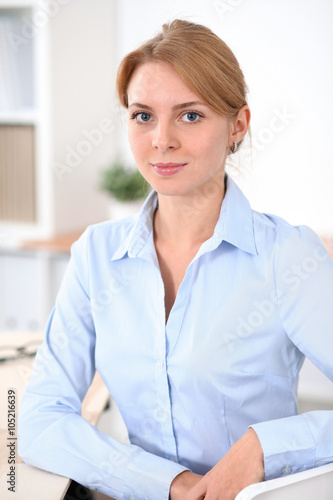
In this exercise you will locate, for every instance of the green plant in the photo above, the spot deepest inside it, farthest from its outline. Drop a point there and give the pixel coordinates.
(124, 183)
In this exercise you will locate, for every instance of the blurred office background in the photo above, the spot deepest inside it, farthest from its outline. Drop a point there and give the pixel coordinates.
(61, 125)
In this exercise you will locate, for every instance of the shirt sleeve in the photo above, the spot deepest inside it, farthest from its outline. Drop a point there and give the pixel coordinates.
(304, 287)
(52, 435)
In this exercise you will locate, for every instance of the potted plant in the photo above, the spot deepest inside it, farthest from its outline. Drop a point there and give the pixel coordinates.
(126, 187)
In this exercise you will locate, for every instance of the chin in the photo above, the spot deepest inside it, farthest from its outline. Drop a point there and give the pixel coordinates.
(169, 186)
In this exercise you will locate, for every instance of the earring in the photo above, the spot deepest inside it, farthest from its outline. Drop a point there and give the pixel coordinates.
(233, 148)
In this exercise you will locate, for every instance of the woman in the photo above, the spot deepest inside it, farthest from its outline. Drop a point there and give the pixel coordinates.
(197, 313)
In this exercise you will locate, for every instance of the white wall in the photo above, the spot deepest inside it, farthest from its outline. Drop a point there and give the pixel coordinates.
(82, 80)
(285, 50)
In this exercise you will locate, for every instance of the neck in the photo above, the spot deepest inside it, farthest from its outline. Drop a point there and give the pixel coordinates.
(185, 221)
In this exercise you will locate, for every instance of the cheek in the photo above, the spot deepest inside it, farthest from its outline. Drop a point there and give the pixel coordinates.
(130, 135)
(136, 142)
(210, 148)
(219, 149)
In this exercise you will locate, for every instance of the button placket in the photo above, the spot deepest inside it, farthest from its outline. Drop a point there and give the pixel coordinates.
(177, 313)
(162, 411)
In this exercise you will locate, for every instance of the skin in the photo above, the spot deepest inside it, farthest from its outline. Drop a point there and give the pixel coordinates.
(163, 127)
(241, 466)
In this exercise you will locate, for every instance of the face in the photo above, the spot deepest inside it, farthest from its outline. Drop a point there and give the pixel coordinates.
(179, 143)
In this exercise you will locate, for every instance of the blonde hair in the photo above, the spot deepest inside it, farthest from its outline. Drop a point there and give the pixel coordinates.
(200, 57)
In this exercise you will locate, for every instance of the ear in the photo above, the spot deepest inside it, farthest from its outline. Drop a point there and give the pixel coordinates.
(240, 124)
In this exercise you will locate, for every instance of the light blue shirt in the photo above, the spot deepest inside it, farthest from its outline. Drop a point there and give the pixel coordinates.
(256, 298)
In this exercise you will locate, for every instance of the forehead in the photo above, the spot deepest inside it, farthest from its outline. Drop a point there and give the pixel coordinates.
(158, 81)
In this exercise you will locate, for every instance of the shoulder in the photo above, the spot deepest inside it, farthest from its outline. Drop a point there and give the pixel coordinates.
(289, 245)
(108, 236)
(273, 230)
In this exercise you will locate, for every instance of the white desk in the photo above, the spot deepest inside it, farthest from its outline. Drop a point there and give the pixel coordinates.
(33, 483)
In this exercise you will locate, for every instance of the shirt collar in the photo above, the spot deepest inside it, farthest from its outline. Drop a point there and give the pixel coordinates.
(142, 228)
(235, 225)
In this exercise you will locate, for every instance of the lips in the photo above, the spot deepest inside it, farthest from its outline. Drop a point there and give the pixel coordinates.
(168, 168)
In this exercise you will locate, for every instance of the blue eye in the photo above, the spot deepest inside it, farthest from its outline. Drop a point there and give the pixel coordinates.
(141, 117)
(191, 117)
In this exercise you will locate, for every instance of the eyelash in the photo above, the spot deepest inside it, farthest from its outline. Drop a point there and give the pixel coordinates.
(136, 113)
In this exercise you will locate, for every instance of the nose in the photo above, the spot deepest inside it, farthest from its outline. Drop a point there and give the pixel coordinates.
(165, 137)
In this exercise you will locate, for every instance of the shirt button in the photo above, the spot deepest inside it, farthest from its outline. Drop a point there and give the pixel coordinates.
(160, 364)
(173, 459)
(165, 414)
(132, 497)
(286, 470)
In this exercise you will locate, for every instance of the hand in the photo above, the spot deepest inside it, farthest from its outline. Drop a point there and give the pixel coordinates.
(241, 466)
(182, 484)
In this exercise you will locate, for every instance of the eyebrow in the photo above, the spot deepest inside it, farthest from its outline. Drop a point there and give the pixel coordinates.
(174, 108)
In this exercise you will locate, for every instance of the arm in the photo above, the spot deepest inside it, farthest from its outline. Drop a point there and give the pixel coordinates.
(304, 281)
(52, 433)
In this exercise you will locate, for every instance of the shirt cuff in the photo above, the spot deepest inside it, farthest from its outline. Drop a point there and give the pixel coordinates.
(150, 476)
(287, 444)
